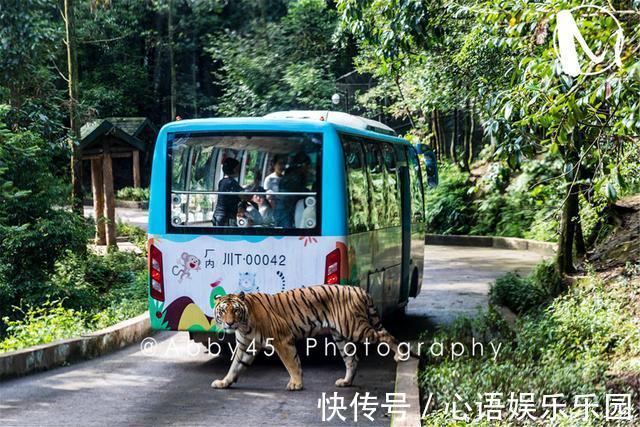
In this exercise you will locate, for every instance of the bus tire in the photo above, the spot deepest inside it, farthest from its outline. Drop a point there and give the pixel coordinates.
(413, 288)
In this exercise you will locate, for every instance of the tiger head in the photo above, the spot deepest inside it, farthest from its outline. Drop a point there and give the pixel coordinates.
(231, 311)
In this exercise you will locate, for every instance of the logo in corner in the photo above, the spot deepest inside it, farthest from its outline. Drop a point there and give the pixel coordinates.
(567, 33)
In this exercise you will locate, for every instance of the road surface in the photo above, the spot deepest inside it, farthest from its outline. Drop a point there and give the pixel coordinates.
(171, 385)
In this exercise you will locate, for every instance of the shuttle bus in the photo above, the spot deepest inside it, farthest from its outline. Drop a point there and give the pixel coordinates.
(288, 200)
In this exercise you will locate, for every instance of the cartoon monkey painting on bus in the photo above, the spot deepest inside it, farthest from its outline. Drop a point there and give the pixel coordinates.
(186, 264)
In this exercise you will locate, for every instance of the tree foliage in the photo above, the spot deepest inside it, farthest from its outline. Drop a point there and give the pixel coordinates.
(498, 59)
(288, 64)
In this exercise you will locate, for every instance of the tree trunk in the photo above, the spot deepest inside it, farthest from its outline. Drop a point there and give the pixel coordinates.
(434, 135)
(135, 163)
(567, 233)
(172, 66)
(97, 188)
(74, 122)
(581, 249)
(194, 73)
(441, 138)
(454, 138)
(571, 210)
(465, 140)
(472, 127)
(157, 66)
(109, 199)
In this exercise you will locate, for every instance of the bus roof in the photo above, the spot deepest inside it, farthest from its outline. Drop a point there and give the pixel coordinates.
(278, 122)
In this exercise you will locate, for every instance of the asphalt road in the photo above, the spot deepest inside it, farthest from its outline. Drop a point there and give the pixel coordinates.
(171, 384)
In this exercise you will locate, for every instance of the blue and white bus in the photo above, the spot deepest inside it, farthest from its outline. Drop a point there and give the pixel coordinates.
(272, 203)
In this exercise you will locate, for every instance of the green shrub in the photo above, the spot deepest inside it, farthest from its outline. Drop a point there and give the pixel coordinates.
(41, 324)
(448, 206)
(117, 312)
(522, 205)
(133, 193)
(89, 282)
(522, 294)
(89, 292)
(135, 235)
(499, 203)
(568, 347)
(35, 230)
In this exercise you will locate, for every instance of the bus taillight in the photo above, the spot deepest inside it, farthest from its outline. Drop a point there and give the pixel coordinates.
(332, 267)
(156, 282)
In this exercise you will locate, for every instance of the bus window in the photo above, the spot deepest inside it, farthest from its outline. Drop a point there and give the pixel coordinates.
(392, 190)
(417, 192)
(217, 182)
(375, 168)
(178, 173)
(356, 184)
(252, 171)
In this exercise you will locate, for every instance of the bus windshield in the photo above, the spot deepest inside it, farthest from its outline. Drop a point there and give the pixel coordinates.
(230, 182)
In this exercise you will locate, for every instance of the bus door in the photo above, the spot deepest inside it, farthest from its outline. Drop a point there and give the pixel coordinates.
(405, 214)
(359, 238)
(388, 256)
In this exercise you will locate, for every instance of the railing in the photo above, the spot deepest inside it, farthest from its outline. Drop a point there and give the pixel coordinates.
(247, 193)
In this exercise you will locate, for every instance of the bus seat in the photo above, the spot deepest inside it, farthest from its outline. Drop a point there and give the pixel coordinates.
(297, 217)
(309, 217)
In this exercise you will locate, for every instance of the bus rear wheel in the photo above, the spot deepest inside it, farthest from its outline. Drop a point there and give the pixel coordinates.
(413, 288)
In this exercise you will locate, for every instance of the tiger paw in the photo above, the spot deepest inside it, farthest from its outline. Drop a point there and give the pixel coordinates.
(294, 385)
(220, 384)
(342, 382)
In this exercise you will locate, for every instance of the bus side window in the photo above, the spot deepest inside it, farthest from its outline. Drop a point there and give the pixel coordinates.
(375, 169)
(356, 184)
(179, 160)
(417, 192)
(392, 191)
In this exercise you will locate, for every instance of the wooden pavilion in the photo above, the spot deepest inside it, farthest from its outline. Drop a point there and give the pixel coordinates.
(102, 141)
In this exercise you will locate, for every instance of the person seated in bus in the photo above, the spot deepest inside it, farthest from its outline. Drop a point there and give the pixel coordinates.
(263, 206)
(227, 206)
(248, 212)
(294, 180)
(272, 181)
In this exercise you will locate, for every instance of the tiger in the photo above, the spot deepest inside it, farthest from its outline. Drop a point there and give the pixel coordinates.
(346, 311)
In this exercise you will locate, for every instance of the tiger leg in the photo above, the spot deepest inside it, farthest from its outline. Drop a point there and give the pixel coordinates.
(350, 362)
(365, 333)
(241, 360)
(286, 349)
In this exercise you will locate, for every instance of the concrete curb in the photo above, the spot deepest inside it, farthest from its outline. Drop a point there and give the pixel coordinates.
(542, 248)
(407, 383)
(48, 356)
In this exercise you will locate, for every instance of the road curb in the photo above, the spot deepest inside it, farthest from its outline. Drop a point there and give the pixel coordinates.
(47, 356)
(407, 383)
(542, 248)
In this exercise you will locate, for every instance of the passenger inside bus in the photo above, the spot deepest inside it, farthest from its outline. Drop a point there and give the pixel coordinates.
(227, 206)
(263, 205)
(272, 181)
(294, 180)
(255, 211)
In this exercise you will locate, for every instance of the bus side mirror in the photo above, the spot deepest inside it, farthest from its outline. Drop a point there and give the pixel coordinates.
(431, 167)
